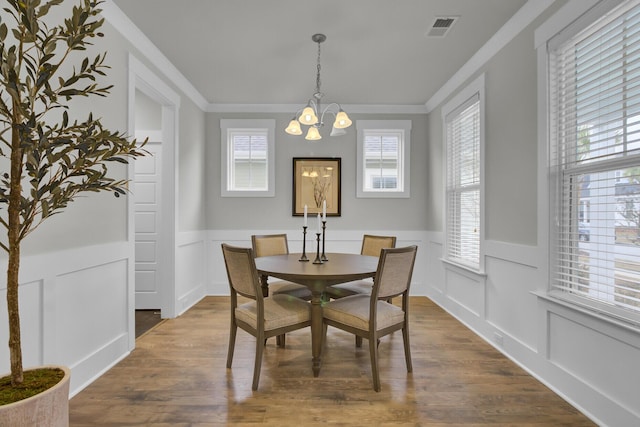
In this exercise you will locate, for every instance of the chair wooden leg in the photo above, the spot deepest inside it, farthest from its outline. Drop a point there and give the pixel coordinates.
(358, 341)
(258, 363)
(280, 340)
(232, 343)
(407, 347)
(373, 349)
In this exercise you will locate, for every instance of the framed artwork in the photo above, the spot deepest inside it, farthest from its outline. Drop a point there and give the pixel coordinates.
(316, 179)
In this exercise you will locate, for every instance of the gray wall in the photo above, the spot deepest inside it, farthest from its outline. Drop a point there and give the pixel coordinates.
(192, 184)
(435, 179)
(93, 218)
(510, 146)
(511, 168)
(101, 218)
(273, 213)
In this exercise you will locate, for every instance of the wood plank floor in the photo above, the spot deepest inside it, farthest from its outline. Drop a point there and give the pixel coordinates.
(146, 320)
(177, 376)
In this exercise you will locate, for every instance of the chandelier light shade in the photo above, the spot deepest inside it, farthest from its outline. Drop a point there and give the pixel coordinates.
(313, 115)
(342, 120)
(337, 132)
(308, 116)
(294, 128)
(313, 134)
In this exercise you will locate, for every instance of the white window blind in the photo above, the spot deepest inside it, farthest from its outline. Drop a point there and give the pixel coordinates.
(248, 167)
(383, 160)
(463, 184)
(595, 159)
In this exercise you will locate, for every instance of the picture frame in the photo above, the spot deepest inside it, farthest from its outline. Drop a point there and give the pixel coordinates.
(316, 179)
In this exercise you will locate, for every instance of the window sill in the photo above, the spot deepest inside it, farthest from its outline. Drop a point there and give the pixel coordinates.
(464, 269)
(591, 309)
(383, 194)
(227, 193)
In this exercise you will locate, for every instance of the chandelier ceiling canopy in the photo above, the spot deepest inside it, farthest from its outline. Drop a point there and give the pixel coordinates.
(313, 115)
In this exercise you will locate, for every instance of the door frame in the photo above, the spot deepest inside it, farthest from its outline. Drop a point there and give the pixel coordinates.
(143, 79)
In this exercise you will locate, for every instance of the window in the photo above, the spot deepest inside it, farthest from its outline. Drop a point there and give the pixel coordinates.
(463, 136)
(385, 181)
(594, 96)
(383, 158)
(247, 158)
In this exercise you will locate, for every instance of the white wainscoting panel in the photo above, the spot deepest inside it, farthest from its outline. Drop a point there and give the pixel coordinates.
(509, 296)
(580, 351)
(191, 269)
(103, 291)
(435, 278)
(586, 359)
(75, 310)
(465, 290)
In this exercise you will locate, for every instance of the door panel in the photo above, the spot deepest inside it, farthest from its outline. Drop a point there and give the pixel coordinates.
(147, 220)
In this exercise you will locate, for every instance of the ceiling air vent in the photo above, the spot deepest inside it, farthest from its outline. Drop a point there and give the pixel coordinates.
(441, 26)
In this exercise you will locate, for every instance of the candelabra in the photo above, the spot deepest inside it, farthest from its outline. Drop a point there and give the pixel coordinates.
(324, 226)
(318, 260)
(304, 244)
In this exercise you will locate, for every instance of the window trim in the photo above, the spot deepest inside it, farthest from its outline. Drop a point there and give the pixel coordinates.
(227, 125)
(362, 126)
(474, 89)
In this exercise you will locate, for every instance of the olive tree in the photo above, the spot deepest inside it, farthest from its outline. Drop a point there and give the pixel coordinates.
(46, 157)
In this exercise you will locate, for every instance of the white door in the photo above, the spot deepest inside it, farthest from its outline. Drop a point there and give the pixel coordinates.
(147, 227)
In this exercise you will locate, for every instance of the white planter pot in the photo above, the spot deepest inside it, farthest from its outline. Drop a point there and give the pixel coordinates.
(47, 409)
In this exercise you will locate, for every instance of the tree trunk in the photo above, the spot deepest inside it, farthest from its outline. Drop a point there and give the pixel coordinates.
(15, 348)
(13, 235)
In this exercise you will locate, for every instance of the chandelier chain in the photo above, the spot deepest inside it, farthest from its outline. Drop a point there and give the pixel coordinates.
(318, 75)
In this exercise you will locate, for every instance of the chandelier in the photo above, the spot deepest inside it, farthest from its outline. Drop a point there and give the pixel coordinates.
(313, 114)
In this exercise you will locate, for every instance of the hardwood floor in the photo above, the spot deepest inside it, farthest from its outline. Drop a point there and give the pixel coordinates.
(177, 376)
(145, 320)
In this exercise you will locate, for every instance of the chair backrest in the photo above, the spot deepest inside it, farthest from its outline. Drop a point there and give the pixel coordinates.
(269, 244)
(372, 245)
(241, 271)
(395, 268)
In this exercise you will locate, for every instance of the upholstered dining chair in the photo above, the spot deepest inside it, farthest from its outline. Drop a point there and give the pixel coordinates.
(371, 245)
(262, 317)
(371, 316)
(277, 244)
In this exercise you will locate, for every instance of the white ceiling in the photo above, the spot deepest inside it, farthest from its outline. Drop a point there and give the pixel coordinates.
(260, 52)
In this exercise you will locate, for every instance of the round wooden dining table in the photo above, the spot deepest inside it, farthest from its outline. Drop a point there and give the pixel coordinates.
(340, 268)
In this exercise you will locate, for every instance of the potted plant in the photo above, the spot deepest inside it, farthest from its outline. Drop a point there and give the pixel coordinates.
(46, 157)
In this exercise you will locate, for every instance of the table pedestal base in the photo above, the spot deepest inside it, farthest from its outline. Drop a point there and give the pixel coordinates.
(316, 326)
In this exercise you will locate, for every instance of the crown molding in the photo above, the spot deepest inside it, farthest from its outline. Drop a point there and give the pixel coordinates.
(518, 22)
(121, 22)
(293, 108)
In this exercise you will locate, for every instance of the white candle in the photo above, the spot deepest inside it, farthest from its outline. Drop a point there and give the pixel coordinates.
(318, 223)
(324, 210)
(305, 215)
